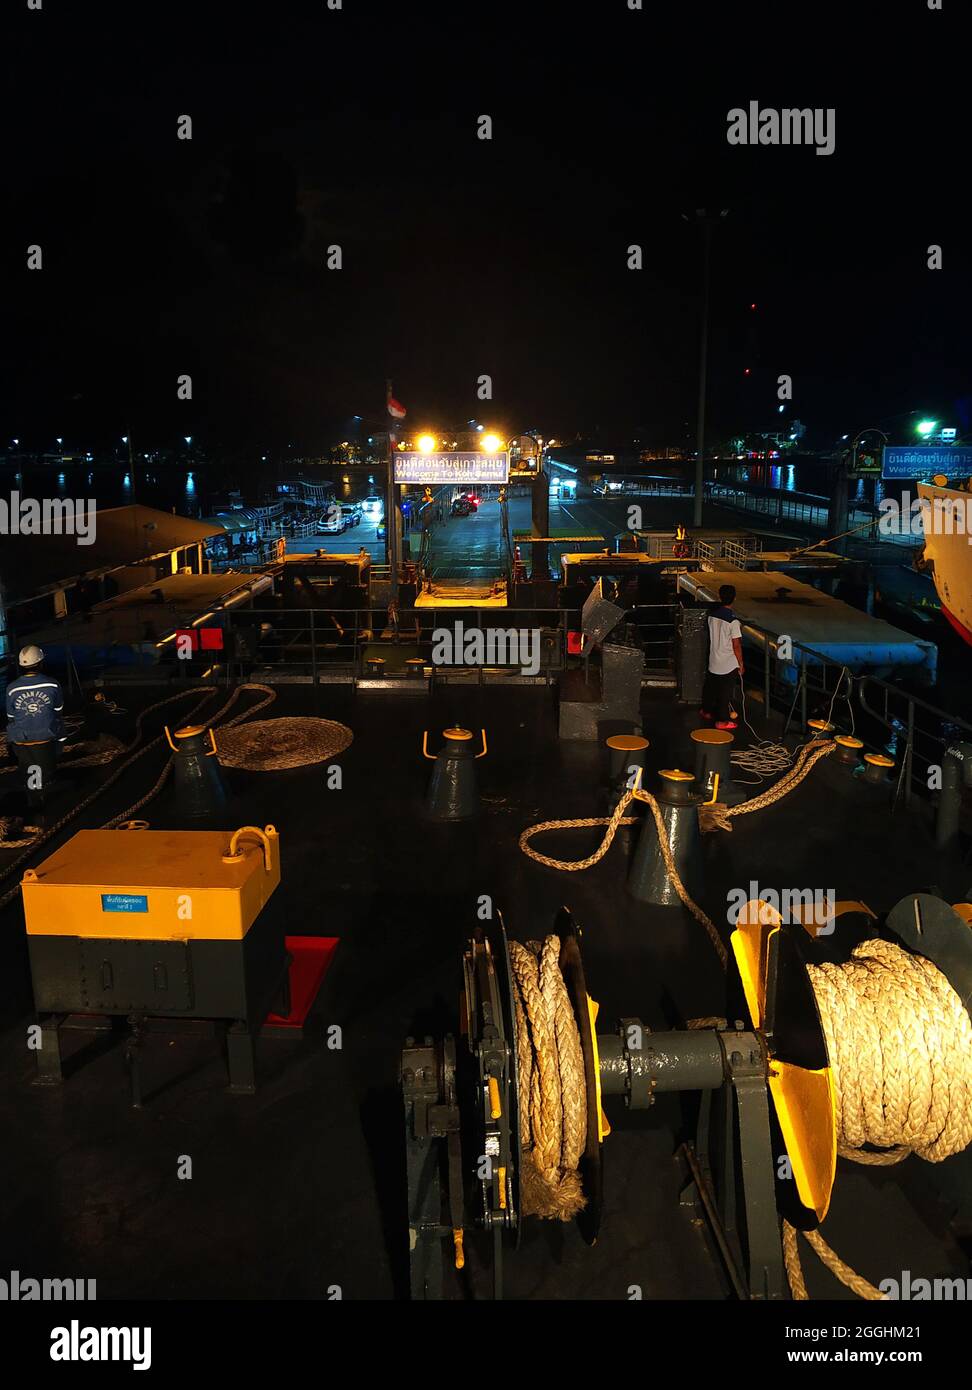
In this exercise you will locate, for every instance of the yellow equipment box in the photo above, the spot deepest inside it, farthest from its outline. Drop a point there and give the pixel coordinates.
(154, 885)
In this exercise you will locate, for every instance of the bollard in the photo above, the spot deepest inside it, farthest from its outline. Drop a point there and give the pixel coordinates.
(820, 730)
(648, 879)
(415, 667)
(453, 794)
(848, 750)
(877, 769)
(712, 751)
(197, 777)
(956, 778)
(626, 766)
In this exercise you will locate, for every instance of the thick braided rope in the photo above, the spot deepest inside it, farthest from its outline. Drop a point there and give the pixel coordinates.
(898, 1037)
(899, 1041)
(809, 755)
(553, 1091)
(900, 1046)
(619, 819)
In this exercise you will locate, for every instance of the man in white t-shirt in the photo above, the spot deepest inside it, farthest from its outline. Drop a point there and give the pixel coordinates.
(725, 661)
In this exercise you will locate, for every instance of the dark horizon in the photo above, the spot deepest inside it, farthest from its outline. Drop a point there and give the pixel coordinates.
(462, 257)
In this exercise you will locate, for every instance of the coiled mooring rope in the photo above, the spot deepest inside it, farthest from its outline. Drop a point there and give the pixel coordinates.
(553, 1088)
(899, 1038)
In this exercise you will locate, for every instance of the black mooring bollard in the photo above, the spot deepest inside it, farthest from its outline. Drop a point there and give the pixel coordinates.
(197, 777)
(453, 793)
(648, 879)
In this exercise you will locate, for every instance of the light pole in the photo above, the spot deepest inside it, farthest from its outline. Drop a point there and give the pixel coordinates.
(706, 221)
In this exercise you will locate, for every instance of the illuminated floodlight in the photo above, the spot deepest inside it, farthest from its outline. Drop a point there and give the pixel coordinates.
(491, 443)
(426, 443)
(925, 427)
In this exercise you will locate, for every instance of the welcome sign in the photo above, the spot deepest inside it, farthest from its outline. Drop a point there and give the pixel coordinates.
(918, 460)
(452, 468)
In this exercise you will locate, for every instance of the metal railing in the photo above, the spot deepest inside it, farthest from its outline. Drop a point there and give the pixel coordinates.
(802, 508)
(887, 718)
(159, 641)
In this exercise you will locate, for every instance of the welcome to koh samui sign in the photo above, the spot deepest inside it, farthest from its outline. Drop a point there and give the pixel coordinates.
(452, 468)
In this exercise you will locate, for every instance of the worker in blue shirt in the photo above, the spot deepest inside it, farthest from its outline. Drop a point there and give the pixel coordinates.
(35, 726)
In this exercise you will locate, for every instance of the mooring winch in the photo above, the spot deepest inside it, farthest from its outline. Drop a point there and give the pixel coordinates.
(507, 1121)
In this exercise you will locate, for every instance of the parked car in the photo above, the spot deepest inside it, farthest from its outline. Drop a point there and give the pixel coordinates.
(373, 503)
(351, 513)
(462, 506)
(333, 521)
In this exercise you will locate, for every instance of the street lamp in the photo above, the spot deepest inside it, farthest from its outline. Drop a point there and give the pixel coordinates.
(491, 443)
(426, 443)
(706, 221)
(925, 427)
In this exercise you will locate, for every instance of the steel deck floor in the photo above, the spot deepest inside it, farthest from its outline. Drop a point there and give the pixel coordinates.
(302, 1186)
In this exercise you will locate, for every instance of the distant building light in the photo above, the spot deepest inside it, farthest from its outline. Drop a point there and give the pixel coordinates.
(949, 433)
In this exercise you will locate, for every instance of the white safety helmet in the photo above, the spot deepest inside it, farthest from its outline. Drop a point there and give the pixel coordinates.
(31, 656)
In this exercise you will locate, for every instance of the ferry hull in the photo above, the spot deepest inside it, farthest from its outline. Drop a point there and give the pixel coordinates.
(949, 552)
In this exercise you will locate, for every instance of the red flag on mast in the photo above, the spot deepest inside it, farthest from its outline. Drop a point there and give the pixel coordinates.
(395, 408)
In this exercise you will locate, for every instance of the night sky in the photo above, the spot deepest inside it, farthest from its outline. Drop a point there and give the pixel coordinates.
(461, 256)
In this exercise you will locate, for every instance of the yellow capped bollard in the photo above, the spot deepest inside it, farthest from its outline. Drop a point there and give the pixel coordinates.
(626, 765)
(453, 793)
(877, 769)
(648, 878)
(848, 750)
(197, 777)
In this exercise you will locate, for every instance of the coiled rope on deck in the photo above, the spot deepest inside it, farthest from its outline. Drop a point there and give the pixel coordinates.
(899, 1041)
(553, 1088)
(899, 1038)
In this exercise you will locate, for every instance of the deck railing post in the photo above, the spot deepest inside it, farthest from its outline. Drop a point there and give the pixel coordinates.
(766, 675)
(803, 687)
